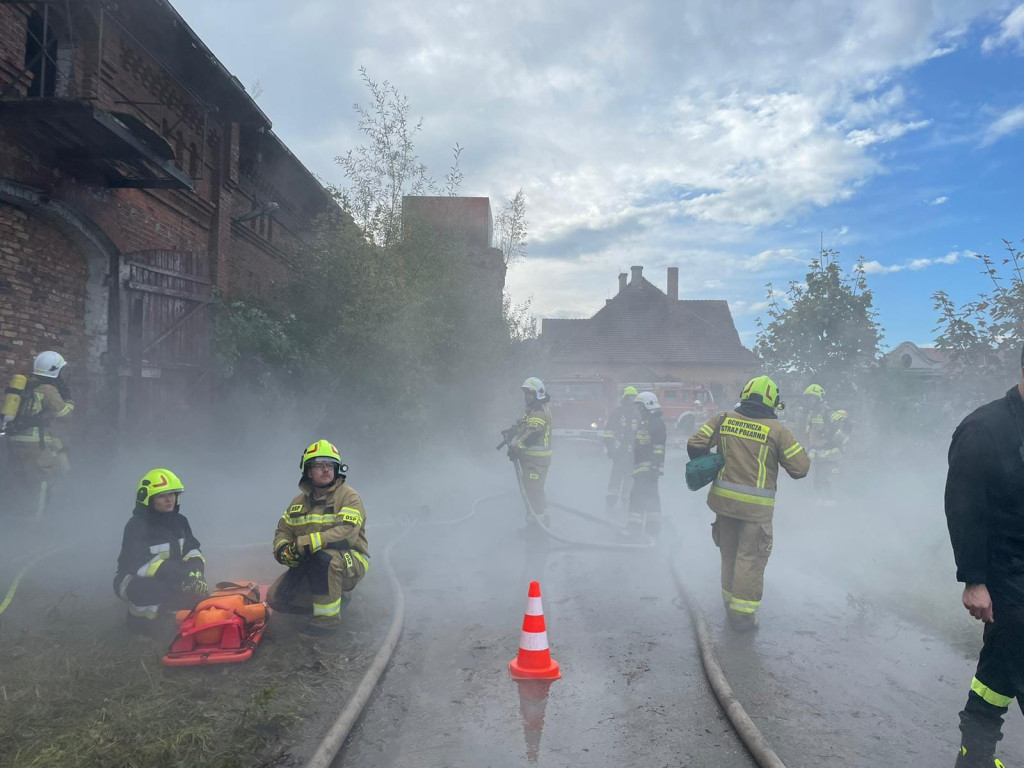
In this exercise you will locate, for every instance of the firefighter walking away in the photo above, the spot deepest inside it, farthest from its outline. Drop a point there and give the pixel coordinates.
(648, 466)
(827, 436)
(321, 538)
(30, 407)
(619, 433)
(742, 496)
(529, 447)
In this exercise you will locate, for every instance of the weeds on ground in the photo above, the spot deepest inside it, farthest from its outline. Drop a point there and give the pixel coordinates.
(76, 690)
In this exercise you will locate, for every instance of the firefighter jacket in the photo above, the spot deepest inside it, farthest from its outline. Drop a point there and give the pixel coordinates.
(329, 518)
(532, 438)
(620, 429)
(754, 444)
(649, 446)
(826, 436)
(985, 499)
(154, 541)
(41, 405)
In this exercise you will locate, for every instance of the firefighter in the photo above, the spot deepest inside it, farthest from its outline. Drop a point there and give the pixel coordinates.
(38, 456)
(321, 537)
(530, 446)
(742, 497)
(826, 438)
(648, 466)
(161, 568)
(984, 503)
(619, 433)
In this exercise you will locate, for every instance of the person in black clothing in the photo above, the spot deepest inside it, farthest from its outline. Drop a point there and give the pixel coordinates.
(648, 466)
(985, 515)
(160, 568)
(619, 432)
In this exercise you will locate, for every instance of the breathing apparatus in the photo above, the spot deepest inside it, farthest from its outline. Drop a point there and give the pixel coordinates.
(12, 400)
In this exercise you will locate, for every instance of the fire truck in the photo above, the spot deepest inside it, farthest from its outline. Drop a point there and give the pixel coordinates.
(679, 403)
(580, 406)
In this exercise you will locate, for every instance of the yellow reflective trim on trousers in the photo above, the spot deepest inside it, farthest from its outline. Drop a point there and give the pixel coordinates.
(793, 450)
(990, 696)
(743, 606)
(315, 543)
(760, 501)
(362, 559)
(327, 609)
(762, 470)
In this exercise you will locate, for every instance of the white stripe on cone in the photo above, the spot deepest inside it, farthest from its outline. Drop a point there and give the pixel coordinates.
(533, 641)
(533, 607)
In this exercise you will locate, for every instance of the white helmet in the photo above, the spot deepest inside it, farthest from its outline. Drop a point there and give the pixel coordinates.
(48, 364)
(649, 400)
(535, 385)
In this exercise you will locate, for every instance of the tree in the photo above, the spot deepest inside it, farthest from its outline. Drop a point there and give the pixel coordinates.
(824, 329)
(511, 227)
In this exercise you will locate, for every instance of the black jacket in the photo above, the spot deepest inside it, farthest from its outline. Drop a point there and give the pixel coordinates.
(985, 498)
(620, 428)
(156, 540)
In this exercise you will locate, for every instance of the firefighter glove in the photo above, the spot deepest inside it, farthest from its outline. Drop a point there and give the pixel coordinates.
(309, 544)
(195, 584)
(287, 554)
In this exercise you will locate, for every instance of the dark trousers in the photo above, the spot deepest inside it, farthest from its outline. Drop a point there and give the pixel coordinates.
(998, 680)
(148, 596)
(645, 502)
(621, 478)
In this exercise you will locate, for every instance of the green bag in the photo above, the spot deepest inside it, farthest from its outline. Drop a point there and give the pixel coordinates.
(703, 469)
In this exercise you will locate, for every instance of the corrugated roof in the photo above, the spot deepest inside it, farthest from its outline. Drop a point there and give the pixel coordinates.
(641, 325)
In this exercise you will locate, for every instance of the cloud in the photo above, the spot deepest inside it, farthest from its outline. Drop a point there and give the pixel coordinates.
(887, 132)
(941, 200)
(1007, 123)
(915, 265)
(1011, 32)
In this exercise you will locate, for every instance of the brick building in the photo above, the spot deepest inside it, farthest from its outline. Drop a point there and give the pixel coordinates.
(136, 174)
(646, 334)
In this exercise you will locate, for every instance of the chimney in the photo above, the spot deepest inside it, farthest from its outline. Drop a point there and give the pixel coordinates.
(637, 276)
(622, 281)
(673, 283)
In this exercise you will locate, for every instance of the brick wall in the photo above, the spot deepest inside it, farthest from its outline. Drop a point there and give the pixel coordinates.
(42, 301)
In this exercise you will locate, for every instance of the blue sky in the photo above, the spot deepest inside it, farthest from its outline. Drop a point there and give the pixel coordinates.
(725, 142)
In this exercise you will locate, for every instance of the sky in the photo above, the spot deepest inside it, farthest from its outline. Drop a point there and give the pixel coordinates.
(730, 140)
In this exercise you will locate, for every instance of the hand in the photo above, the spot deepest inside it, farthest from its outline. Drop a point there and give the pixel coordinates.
(978, 602)
(288, 555)
(195, 584)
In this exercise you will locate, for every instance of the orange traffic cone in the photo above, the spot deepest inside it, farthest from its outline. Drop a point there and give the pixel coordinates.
(534, 661)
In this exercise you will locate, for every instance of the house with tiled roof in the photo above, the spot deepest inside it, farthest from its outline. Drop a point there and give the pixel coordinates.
(646, 334)
(925, 362)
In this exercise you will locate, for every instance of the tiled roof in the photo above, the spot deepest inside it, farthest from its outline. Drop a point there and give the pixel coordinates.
(641, 325)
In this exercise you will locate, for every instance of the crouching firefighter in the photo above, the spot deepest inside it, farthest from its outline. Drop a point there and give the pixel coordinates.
(648, 466)
(322, 539)
(529, 447)
(742, 496)
(31, 406)
(161, 568)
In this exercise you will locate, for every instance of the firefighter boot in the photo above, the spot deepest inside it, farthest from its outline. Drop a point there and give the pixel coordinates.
(964, 760)
(743, 622)
(320, 626)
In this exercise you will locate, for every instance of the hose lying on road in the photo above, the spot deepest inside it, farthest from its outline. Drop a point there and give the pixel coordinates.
(745, 728)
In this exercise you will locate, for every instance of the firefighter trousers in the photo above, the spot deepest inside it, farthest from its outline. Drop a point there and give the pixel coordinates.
(620, 482)
(998, 680)
(149, 596)
(316, 585)
(34, 468)
(534, 477)
(645, 503)
(745, 548)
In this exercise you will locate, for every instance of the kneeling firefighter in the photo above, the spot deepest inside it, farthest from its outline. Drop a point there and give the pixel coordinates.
(529, 446)
(742, 496)
(322, 539)
(31, 406)
(161, 568)
(648, 466)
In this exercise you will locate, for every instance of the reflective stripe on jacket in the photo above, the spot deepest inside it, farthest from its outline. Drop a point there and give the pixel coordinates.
(753, 448)
(532, 439)
(649, 445)
(44, 405)
(327, 518)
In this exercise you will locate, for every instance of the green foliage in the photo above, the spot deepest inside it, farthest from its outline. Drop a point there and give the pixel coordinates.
(247, 337)
(824, 329)
(982, 337)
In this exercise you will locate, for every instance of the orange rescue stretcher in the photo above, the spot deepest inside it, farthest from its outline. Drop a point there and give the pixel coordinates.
(224, 628)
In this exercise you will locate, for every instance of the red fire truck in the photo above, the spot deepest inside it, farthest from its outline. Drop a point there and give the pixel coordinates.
(580, 406)
(684, 408)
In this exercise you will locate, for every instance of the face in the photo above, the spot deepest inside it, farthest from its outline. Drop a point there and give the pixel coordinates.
(321, 473)
(529, 396)
(164, 502)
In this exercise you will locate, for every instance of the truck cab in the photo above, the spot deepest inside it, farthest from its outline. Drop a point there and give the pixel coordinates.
(580, 406)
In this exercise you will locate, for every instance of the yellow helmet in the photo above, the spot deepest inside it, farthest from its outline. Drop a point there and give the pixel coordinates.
(155, 482)
(762, 390)
(321, 449)
(815, 390)
(630, 391)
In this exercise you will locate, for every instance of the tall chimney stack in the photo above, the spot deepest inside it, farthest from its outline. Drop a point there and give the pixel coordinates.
(622, 281)
(673, 283)
(637, 276)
